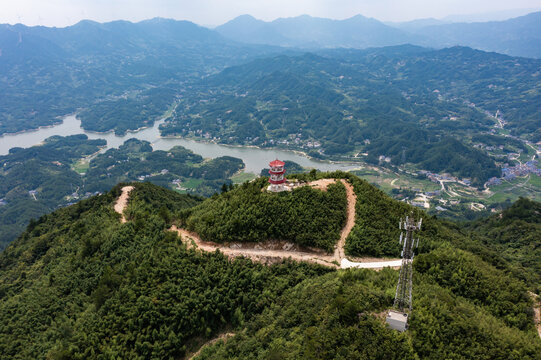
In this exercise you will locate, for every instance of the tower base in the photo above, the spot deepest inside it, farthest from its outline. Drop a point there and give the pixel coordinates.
(277, 188)
(397, 320)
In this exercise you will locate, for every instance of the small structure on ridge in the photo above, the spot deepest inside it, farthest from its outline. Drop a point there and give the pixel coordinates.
(277, 179)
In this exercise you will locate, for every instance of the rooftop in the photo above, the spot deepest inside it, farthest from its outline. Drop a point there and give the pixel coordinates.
(398, 316)
(276, 163)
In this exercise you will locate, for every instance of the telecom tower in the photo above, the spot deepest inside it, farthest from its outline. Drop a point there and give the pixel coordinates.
(398, 320)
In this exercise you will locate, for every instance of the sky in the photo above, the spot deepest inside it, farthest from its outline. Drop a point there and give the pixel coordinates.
(215, 12)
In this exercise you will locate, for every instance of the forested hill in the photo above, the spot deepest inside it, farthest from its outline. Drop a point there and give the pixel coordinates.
(516, 235)
(80, 284)
(50, 72)
(406, 104)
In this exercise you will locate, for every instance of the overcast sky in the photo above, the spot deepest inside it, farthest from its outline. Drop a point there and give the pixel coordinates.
(215, 12)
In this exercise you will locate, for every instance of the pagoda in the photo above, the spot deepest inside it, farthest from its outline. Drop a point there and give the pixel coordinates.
(277, 179)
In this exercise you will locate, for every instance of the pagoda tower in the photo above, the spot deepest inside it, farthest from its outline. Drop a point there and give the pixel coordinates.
(277, 179)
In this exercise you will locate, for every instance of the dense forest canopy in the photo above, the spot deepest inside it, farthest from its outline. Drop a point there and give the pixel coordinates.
(306, 216)
(80, 284)
(515, 234)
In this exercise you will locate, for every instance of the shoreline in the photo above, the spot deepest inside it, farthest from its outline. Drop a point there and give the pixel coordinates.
(9, 134)
(239, 146)
(61, 118)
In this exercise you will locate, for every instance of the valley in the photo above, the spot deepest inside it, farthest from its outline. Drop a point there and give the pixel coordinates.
(457, 200)
(245, 191)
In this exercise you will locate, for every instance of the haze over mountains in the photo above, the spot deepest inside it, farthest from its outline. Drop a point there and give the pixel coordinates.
(519, 36)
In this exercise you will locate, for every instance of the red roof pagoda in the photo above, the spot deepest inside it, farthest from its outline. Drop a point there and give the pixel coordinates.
(277, 179)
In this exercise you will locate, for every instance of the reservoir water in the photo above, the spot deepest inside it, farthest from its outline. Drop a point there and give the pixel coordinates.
(255, 159)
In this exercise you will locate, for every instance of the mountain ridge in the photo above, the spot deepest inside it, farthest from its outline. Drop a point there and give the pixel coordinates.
(516, 36)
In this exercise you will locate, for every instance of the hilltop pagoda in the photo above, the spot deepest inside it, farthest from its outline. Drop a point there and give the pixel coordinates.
(277, 180)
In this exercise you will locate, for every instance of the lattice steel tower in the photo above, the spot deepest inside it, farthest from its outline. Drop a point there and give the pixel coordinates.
(402, 299)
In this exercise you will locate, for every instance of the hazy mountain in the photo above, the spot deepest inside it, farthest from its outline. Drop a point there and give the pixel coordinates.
(246, 28)
(122, 37)
(416, 24)
(519, 36)
(307, 31)
(489, 16)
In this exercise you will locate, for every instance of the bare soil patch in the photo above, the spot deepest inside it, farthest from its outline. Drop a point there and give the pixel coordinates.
(122, 202)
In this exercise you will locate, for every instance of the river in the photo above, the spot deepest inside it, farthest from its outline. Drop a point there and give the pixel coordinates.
(254, 158)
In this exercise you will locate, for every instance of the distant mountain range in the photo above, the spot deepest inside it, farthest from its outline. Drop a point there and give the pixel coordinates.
(519, 36)
(310, 32)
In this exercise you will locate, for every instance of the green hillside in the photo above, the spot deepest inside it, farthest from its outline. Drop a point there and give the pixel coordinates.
(79, 284)
(306, 216)
(515, 234)
(39, 179)
(339, 316)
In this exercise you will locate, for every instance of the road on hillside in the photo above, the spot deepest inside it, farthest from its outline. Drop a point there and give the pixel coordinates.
(258, 252)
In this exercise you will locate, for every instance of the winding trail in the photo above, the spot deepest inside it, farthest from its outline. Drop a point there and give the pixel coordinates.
(122, 202)
(271, 252)
(537, 312)
(223, 337)
(339, 253)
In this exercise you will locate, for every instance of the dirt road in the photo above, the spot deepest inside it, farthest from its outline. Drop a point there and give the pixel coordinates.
(224, 337)
(339, 252)
(122, 201)
(267, 253)
(272, 251)
(537, 312)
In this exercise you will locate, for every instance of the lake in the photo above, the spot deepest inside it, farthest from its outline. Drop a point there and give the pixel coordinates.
(255, 159)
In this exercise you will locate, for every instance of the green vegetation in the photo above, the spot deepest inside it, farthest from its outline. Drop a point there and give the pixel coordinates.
(60, 172)
(464, 275)
(124, 75)
(35, 181)
(376, 224)
(135, 159)
(81, 166)
(445, 156)
(337, 106)
(126, 114)
(243, 177)
(330, 317)
(304, 215)
(79, 284)
(515, 235)
(339, 316)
